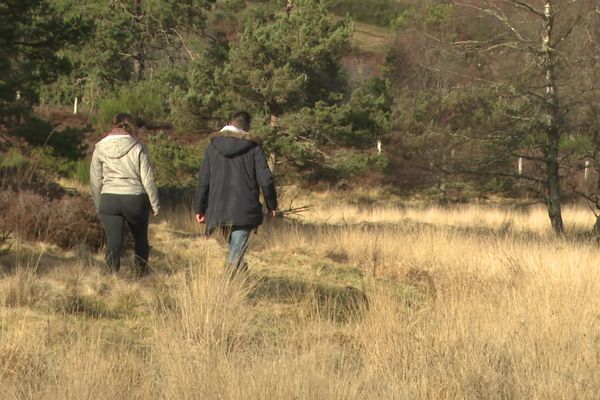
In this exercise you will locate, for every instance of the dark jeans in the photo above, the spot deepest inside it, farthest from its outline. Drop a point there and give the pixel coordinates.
(115, 211)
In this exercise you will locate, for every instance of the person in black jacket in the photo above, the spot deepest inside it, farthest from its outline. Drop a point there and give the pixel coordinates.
(233, 173)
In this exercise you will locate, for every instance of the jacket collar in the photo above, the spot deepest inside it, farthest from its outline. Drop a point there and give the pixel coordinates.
(233, 132)
(118, 131)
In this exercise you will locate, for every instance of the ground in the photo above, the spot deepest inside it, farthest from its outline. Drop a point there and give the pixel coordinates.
(349, 300)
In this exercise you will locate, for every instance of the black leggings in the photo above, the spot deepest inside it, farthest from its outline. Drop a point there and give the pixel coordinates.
(115, 210)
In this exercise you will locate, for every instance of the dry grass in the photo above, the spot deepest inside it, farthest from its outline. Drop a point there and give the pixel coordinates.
(372, 38)
(362, 302)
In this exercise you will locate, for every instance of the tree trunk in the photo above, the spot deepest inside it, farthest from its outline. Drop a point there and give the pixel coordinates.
(552, 123)
(553, 200)
(138, 66)
(596, 229)
(272, 156)
(139, 56)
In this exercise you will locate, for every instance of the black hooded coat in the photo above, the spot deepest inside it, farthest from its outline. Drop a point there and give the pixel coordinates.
(233, 172)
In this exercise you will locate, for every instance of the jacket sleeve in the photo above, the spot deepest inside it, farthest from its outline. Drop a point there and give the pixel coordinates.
(147, 177)
(265, 179)
(201, 198)
(96, 179)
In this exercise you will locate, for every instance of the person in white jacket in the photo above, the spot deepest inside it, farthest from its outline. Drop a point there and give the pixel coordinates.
(124, 191)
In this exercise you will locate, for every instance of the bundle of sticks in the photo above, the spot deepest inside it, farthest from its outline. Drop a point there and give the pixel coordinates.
(292, 211)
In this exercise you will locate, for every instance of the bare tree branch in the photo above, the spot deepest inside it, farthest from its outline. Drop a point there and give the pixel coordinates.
(478, 45)
(438, 70)
(497, 13)
(524, 6)
(192, 56)
(502, 17)
(567, 33)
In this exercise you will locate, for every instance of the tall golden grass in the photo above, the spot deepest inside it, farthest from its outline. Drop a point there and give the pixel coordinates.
(351, 302)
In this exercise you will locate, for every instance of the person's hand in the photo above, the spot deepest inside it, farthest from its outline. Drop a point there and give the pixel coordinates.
(155, 213)
(274, 212)
(200, 218)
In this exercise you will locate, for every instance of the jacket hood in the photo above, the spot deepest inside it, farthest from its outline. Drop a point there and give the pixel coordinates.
(116, 146)
(232, 143)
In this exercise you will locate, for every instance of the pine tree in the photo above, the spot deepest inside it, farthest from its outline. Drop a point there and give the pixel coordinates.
(32, 33)
(132, 41)
(286, 67)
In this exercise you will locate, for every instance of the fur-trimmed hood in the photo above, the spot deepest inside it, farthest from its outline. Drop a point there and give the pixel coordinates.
(232, 142)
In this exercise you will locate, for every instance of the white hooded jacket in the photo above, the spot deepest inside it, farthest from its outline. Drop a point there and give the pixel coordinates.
(122, 165)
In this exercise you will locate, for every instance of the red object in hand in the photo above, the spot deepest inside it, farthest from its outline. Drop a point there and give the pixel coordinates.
(200, 218)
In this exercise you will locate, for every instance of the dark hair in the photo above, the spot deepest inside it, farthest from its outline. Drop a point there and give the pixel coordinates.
(125, 121)
(241, 120)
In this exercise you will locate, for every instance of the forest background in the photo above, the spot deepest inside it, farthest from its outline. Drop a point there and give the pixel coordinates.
(451, 100)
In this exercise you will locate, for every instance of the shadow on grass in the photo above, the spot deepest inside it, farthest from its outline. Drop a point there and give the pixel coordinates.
(39, 261)
(336, 303)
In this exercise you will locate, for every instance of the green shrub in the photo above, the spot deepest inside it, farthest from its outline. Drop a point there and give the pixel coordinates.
(350, 164)
(376, 12)
(82, 171)
(13, 159)
(146, 100)
(174, 165)
(48, 162)
(66, 143)
(197, 105)
(234, 5)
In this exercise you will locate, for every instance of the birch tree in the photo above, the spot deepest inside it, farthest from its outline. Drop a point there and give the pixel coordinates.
(536, 46)
(503, 80)
(558, 37)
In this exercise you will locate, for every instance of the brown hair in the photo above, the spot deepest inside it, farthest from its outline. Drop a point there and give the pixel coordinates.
(125, 121)
(241, 120)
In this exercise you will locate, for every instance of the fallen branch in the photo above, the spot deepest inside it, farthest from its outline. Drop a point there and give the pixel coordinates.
(292, 211)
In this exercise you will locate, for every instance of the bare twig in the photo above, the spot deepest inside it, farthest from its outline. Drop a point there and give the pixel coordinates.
(4, 236)
(479, 45)
(525, 6)
(567, 33)
(438, 70)
(497, 13)
(191, 54)
(295, 210)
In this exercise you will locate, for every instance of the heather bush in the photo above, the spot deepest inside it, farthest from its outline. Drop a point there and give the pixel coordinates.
(5, 233)
(27, 178)
(66, 222)
(174, 198)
